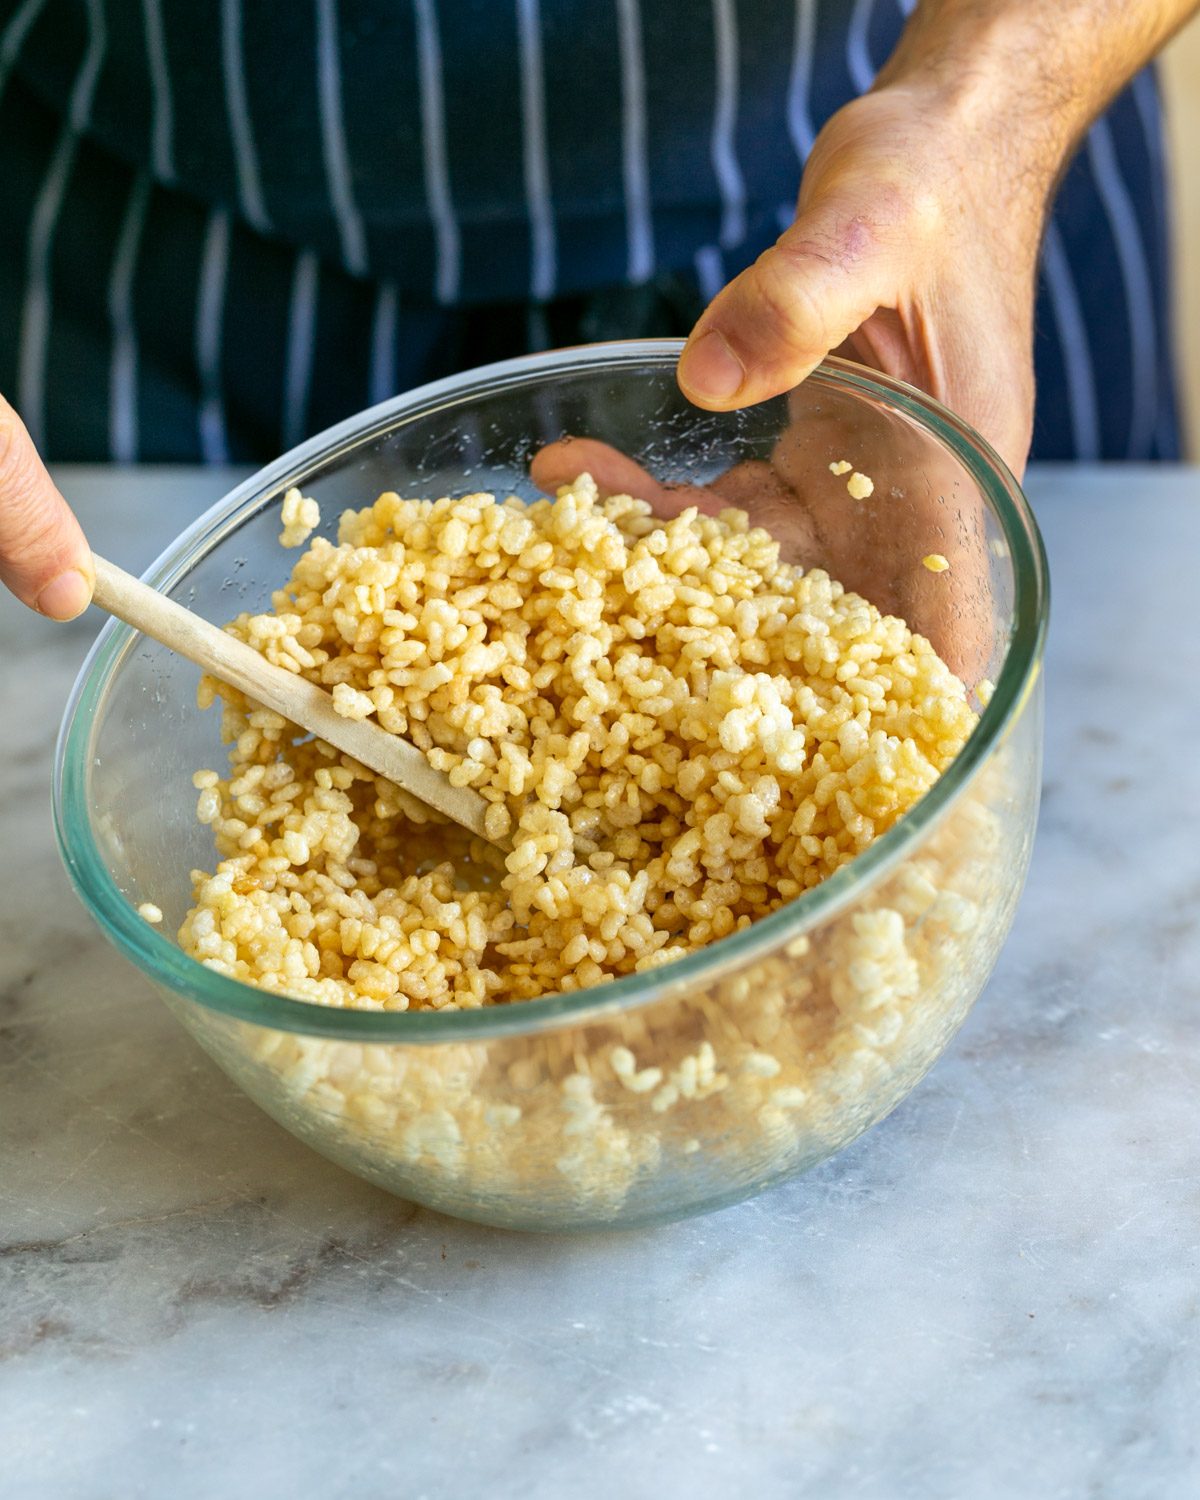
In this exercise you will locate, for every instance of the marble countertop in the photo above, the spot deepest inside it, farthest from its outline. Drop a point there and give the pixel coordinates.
(994, 1293)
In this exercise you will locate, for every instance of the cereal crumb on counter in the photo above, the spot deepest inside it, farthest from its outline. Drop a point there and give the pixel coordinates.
(150, 913)
(935, 563)
(861, 486)
(300, 517)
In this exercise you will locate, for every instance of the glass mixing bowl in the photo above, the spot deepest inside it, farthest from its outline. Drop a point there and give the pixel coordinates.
(669, 1092)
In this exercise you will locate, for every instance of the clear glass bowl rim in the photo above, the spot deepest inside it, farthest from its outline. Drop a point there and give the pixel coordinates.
(165, 963)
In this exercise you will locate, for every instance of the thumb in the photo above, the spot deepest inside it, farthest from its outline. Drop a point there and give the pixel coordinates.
(772, 325)
(44, 558)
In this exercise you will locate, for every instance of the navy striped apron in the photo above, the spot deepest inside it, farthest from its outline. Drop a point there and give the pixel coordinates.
(226, 224)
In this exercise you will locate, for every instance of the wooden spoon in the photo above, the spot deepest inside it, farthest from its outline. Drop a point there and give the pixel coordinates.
(285, 692)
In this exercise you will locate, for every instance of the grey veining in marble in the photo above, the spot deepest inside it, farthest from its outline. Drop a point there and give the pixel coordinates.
(994, 1293)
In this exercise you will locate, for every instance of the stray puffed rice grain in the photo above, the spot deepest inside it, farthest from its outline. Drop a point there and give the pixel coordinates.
(300, 519)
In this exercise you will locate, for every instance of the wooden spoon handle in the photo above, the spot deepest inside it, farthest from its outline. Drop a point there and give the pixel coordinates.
(286, 692)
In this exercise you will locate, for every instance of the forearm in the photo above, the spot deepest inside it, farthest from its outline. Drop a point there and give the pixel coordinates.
(1040, 71)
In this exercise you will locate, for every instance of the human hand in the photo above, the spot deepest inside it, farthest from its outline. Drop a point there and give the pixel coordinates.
(924, 502)
(914, 250)
(44, 558)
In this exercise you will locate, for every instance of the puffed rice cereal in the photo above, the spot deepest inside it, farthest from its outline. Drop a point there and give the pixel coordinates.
(678, 732)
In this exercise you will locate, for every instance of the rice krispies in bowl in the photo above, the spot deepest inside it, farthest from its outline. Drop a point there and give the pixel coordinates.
(713, 1092)
(679, 733)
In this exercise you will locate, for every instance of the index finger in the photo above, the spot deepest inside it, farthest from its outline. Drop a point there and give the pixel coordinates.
(44, 557)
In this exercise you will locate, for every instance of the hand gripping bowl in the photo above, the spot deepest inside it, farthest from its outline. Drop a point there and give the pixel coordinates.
(669, 1092)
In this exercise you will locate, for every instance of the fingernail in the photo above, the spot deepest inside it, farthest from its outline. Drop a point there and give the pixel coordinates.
(710, 369)
(65, 597)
